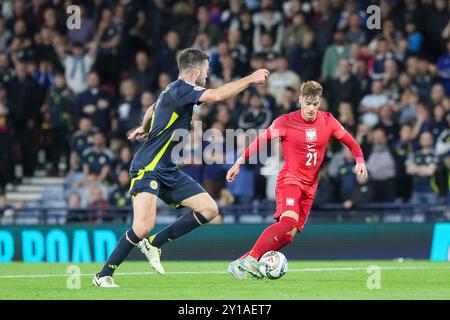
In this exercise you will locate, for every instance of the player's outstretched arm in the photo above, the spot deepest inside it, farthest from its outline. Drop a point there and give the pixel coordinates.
(234, 88)
(142, 131)
(360, 167)
(346, 138)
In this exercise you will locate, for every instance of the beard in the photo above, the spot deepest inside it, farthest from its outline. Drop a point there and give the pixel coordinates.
(201, 82)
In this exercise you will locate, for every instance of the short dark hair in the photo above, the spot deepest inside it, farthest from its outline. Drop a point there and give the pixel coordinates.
(191, 58)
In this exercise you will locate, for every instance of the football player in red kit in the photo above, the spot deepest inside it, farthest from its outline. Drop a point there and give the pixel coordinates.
(304, 136)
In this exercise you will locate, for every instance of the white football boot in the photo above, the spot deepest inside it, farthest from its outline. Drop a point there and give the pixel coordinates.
(153, 255)
(104, 282)
(236, 271)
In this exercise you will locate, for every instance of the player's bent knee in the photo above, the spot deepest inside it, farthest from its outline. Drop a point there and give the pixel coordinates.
(142, 228)
(209, 210)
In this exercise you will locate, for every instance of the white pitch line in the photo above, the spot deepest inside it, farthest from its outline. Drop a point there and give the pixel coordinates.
(219, 272)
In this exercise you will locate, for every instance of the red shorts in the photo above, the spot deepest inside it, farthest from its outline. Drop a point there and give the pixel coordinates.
(297, 198)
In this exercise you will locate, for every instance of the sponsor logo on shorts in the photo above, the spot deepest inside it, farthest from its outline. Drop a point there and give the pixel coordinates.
(154, 184)
(290, 202)
(311, 135)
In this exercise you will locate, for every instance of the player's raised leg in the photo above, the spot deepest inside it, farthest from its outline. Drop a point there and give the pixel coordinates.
(144, 209)
(204, 209)
(273, 238)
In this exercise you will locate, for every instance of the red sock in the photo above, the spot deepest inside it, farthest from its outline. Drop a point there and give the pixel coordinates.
(244, 256)
(274, 237)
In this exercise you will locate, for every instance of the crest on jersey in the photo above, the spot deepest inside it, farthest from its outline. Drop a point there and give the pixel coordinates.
(290, 202)
(311, 135)
(153, 184)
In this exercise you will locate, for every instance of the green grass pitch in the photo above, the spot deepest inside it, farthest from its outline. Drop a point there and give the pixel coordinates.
(209, 280)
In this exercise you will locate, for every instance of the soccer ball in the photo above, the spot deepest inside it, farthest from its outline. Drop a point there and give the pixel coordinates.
(273, 265)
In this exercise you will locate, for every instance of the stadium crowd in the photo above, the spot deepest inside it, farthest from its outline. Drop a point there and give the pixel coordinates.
(76, 93)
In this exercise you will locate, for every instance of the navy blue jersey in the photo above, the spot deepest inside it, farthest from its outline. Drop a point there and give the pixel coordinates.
(173, 110)
(421, 158)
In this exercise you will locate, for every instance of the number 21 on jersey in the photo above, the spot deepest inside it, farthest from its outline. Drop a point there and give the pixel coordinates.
(311, 158)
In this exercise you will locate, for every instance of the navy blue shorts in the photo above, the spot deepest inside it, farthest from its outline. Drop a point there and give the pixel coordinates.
(170, 186)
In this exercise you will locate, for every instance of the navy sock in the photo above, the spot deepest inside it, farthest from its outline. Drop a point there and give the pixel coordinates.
(181, 226)
(123, 248)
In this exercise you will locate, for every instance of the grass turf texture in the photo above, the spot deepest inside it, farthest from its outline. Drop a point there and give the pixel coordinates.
(209, 280)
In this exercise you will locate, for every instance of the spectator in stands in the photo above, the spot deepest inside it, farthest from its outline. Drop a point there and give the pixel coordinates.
(144, 74)
(7, 72)
(362, 192)
(5, 34)
(76, 212)
(6, 211)
(268, 25)
(402, 148)
(6, 147)
(422, 165)
(80, 141)
(355, 34)
(228, 72)
(77, 64)
(333, 54)
(166, 56)
(163, 81)
(304, 58)
(127, 109)
(437, 123)
(94, 103)
(347, 116)
(256, 116)
(424, 78)
(346, 178)
(442, 152)
(230, 16)
(192, 156)
(119, 195)
(388, 123)
(98, 203)
(344, 88)
(437, 94)
(415, 38)
(371, 103)
(45, 42)
(97, 160)
(57, 122)
(381, 167)
(382, 53)
(204, 25)
(23, 93)
(390, 76)
(238, 51)
(109, 35)
(246, 29)
(293, 34)
(443, 67)
(124, 161)
(289, 102)
(282, 78)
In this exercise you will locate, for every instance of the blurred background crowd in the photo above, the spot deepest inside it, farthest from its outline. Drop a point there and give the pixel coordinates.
(69, 97)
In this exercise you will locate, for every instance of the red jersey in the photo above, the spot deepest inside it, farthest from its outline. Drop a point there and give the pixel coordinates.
(304, 144)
